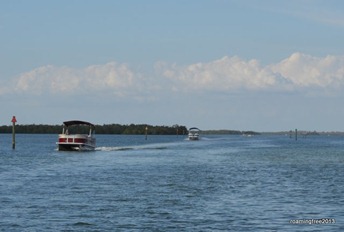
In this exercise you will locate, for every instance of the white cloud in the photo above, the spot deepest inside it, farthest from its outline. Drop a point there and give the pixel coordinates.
(297, 72)
(308, 71)
(111, 77)
(228, 73)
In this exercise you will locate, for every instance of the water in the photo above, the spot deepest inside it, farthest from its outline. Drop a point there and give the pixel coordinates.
(165, 183)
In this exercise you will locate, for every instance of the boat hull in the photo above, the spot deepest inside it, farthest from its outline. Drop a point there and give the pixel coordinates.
(75, 147)
(77, 142)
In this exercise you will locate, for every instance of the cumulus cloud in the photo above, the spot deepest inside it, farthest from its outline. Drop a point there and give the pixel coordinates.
(308, 71)
(111, 77)
(228, 73)
(297, 72)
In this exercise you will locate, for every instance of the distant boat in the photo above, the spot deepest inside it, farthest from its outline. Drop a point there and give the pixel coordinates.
(77, 141)
(194, 133)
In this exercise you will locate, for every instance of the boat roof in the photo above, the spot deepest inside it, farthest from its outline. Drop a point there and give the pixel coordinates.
(194, 128)
(77, 122)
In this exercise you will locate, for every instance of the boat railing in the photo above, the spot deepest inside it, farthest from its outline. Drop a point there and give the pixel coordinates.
(74, 138)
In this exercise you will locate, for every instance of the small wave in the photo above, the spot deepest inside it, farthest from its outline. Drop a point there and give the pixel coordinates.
(155, 148)
(82, 224)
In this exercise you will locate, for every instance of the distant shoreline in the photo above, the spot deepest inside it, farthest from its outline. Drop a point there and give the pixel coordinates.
(131, 129)
(137, 129)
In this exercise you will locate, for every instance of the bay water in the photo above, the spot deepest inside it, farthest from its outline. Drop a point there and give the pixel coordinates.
(167, 183)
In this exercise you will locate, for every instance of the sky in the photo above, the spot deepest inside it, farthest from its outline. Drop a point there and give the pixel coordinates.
(261, 65)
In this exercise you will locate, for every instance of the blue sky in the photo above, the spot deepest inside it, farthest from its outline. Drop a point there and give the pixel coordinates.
(216, 64)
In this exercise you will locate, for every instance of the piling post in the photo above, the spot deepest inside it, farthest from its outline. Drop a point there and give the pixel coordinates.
(14, 120)
(146, 132)
(295, 134)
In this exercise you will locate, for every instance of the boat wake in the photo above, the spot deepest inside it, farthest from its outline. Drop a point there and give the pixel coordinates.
(207, 139)
(114, 148)
(140, 147)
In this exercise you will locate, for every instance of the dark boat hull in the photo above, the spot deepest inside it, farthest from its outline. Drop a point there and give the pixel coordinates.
(75, 147)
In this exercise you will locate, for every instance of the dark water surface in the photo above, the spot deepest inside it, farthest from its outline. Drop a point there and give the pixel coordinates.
(165, 183)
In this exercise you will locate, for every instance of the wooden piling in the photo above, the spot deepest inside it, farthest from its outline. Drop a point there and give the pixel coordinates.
(14, 120)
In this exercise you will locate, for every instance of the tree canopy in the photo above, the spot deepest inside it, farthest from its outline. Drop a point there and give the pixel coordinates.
(100, 129)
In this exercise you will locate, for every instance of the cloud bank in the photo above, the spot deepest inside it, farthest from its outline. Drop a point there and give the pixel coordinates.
(295, 73)
(111, 77)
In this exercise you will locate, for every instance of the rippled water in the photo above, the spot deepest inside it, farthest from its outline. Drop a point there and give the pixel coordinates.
(167, 183)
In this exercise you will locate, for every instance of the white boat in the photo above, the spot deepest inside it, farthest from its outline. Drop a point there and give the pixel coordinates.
(194, 133)
(71, 138)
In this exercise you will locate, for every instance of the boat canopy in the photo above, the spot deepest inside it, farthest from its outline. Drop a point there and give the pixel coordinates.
(77, 122)
(194, 129)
